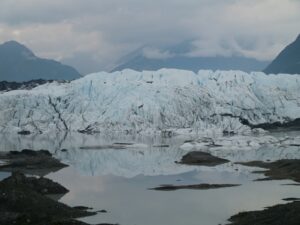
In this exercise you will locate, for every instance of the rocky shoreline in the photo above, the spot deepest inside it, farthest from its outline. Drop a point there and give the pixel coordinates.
(30, 162)
(284, 214)
(28, 200)
(278, 170)
(22, 201)
(287, 169)
(287, 214)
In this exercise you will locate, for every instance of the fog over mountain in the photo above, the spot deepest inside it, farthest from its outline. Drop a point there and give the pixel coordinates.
(93, 35)
(179, 56)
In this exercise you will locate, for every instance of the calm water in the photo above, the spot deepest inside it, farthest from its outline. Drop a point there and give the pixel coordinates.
(119, 180)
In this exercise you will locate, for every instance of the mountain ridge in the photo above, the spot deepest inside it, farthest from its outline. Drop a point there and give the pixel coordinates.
(287, 61)
(18, 64)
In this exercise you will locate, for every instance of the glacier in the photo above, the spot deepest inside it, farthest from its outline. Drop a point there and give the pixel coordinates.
(165, 101)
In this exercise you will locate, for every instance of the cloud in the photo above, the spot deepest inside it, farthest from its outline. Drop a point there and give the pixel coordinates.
(105, 30)
(154, 53)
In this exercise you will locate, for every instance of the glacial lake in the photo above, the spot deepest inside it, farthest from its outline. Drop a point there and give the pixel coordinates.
(119, 180)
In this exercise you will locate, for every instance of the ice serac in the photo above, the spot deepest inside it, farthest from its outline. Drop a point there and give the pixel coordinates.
(154, 101)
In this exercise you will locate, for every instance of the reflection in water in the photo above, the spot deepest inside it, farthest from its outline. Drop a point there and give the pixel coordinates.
(118, 180)
(4, 175)
(143, 158)
(73, 140)
(128, 201)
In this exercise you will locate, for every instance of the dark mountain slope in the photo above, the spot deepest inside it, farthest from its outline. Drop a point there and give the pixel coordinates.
(18, 63)
(288, 61)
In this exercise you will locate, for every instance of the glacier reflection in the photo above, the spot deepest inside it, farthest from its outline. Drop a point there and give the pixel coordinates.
(149, 156)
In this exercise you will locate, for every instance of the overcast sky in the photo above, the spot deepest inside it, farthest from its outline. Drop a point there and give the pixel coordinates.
(93, 34)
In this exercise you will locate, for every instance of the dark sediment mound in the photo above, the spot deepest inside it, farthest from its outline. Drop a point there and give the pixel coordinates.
(21, 204)
(287, 214)
(41, 185)
(291, 199)
(193, 187)
(279, 170)
(30, 162)
(202, 159)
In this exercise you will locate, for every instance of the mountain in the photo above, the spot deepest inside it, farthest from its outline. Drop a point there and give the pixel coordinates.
(177, 57)
(164, 101)
(18, 63)
(288, 61)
